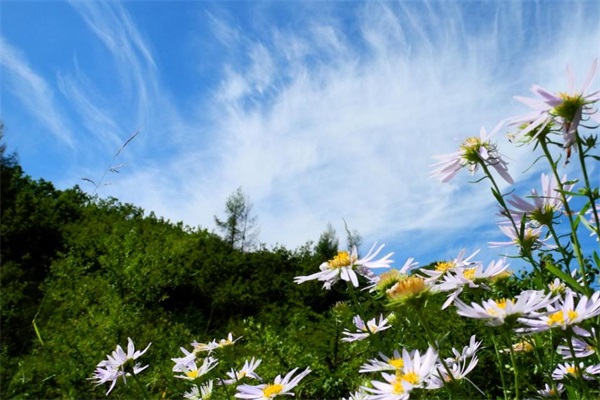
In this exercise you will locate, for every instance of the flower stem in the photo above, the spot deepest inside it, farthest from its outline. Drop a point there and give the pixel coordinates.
(142, 388)
(499, 362)
(568, 212)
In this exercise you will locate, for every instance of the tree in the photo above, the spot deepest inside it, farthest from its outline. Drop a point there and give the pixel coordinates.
(239, 226)
(328, 243)
(352, 237)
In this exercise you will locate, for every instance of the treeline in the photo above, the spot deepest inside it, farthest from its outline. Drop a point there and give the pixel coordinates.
(80, 274)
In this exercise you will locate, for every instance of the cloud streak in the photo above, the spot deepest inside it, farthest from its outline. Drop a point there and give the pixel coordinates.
(333, 115)
(33, 91)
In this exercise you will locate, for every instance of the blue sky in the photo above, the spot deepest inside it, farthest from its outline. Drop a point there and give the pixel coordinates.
(321, 111)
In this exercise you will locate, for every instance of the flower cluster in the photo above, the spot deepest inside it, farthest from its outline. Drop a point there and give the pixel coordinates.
(119, 364)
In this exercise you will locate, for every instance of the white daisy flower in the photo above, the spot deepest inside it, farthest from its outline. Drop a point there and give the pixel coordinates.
(280, 386)
(247, 371)
(192, 371)
(346, 265)
(527, 304)
(565, 110)
(553, 392)
(564, 313)
(395, 363)
(394, 388)
(563, 371)
(364, 330)
(473, 152)
(203, 392)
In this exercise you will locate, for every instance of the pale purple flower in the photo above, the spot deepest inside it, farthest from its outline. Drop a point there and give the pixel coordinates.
(444, 267)
(473, 152)
(525, 304)
(529, 239)
(365, 329)
(460, 365)
(113, 367)
(280, 386)
(192, 371)
(394, 388)
(544, 205)
(552, 391)
(247, 371)
(203, 392)
(566, 110)
(395, 363)
(346, 265)
(572, 370)
(458, 278)
(564, 313)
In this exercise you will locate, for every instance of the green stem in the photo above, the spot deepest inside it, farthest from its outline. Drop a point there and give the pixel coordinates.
(588, 191)
(432, 342)
(142, 388)
(513, 361)
(500, 368)
(525, 252)
(568, 212)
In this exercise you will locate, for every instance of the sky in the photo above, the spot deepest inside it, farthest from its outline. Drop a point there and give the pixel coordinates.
(322, 111)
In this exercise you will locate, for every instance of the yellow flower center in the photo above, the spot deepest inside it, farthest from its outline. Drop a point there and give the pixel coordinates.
(572, 315)
(410, 286)
(469, 273)
(397, 388)
(272, 390)
(192, 374)
(397, 363)
(372, 328)
(571, 370)
(342, 259)
(444, 266)
(557, 318)
(411, 377)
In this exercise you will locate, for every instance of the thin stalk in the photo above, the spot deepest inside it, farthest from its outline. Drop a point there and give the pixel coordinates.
(142, 388)
(568, 212)
(499, 362)
(587, 185)
(513, 361)
(526, 252)
(432, 343)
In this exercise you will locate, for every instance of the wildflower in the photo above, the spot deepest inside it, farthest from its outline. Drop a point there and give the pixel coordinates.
(394, 388)
(563, 371)
(203, 392)
(225, 342)
(524, 346)
(527, 239)
(460, 365)
(457, 279)
(280, 386)
(565, 313)
(527, 303)
(364, 330)
(247, 371)
(395, 363)
(565, 110)
(346, 265)
(191, 371)
(582, 347)
(358, 395)
(552, 391)
(408, 289)
(443, 267)
(473, 152)
(119, 364)
(418, 368)
(544, 206)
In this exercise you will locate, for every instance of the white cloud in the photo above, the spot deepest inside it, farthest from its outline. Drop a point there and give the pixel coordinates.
(33, 91)
(340, 121)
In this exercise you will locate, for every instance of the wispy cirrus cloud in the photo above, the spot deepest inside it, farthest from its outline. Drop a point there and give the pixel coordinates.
(33, 91)
(332, 115)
